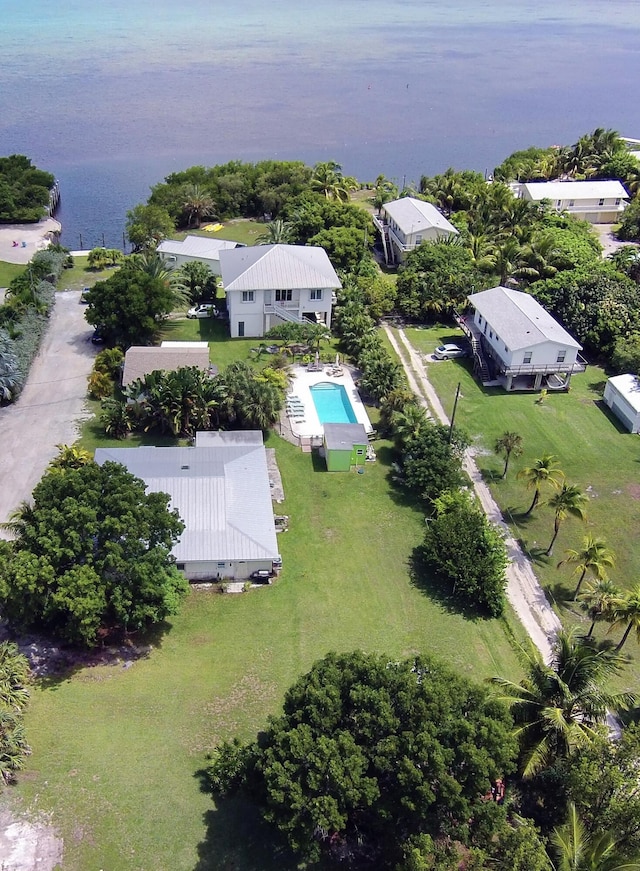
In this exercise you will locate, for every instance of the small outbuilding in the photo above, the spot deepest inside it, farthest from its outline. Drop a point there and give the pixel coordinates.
(345, 446)
(622, 395)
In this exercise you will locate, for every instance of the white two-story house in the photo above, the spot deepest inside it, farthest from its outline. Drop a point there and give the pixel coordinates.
(517, 343)
(598, 202)
(406, 223)
(271, 284)
(195, 248)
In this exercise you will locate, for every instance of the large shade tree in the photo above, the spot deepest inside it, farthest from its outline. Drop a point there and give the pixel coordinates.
(92, 556)
(369, 752)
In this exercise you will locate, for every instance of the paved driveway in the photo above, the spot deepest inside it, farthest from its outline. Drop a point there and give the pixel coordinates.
(51, 403)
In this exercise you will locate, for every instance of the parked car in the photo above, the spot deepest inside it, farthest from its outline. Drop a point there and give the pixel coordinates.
(204, 310)
(98, 337)
(262, 576)
(84, 296)
(448, 352)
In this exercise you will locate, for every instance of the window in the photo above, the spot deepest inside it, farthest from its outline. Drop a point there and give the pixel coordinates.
(283, 295)
(506, 349)
(527, 357)
(601, 201)
(247, 295)
(316, 294)
(572, 203)
(180, 567)
(360, 452)
(617, 201)
(240, 329)
(491, 334)
(558, 203)
(418, 240)
(561, 356)
(480, 320)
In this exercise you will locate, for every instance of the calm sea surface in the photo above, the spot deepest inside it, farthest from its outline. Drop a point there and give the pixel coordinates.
(112, 96)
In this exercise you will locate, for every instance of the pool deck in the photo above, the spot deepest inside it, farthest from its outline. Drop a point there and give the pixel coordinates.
(308, 425)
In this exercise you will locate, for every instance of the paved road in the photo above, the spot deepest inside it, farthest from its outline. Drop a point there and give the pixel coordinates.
(523, 588)
(51, 403)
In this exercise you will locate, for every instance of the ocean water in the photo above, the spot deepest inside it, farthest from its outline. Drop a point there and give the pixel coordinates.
(111, 97)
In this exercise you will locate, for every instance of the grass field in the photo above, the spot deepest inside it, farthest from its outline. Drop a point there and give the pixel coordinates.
(235, 230)
(591, 447)
(116, 750)
(80, 276)
(8, 271)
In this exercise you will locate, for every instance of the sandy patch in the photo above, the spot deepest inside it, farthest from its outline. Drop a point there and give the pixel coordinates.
(28, 844)
(30, 238)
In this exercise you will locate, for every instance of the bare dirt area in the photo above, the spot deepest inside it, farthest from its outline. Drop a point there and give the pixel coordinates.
(19, 242)
(28, 844)
(51, 403)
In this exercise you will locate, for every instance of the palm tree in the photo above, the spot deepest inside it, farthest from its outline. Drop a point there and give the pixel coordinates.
(593, 558)
(153, 265)
(509, 443)
(542, 472)
(626, 609)
(278, 232)
(598, 600)
(559, 708)
(116, 418)
(408, 424)
(577, 850)
(385, 190)
(20, 519)
(197, 204)
(328, 180)
(569, 500)
(14, 677)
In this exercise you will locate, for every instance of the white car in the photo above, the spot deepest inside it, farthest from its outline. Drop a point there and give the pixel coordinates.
(448, 352)
(204, 310)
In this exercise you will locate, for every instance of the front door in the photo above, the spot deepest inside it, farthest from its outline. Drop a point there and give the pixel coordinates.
(240, 329)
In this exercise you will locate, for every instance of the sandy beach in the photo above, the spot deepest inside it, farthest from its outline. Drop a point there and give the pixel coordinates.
(30, 238)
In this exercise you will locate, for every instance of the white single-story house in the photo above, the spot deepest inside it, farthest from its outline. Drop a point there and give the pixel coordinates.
(222, 492)
(406, 223)
(268, 285)
(140, 360)
(195, 248)
(516, 342)
(622, 395)
(598, 202)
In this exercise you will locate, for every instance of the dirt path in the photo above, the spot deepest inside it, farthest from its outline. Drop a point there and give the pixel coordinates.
(51, 403)
(523, 589)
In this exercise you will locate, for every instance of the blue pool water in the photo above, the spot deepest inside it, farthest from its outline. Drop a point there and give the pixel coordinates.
(332, 403)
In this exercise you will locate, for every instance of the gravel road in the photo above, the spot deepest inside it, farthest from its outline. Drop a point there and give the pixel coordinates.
(51, 404)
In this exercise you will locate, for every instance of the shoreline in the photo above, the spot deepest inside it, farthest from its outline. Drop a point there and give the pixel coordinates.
(31, 238)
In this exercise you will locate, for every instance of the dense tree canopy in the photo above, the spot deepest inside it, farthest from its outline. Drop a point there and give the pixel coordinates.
(92, 556)
(24, 190)
(368, 753)
(436, 277)
(467, 552)
(128, 307)
(429, 463)
(148, 225)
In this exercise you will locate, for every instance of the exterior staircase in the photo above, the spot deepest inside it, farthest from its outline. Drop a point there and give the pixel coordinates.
(480, 363)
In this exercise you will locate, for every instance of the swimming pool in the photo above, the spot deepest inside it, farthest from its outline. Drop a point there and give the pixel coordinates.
(332, 403)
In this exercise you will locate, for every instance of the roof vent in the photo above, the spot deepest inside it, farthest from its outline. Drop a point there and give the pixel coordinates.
(185, 467)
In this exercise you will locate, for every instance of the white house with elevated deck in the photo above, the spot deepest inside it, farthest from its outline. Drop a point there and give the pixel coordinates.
(269, 285)
(598, 202)
(517, 344)
(408, 222)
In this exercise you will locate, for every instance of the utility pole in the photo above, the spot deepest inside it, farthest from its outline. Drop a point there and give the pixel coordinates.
(453, 415)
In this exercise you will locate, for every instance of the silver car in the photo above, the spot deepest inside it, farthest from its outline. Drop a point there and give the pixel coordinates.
(448, 352)
(204, 310)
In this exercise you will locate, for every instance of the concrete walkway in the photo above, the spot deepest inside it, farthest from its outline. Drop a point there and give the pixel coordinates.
(52, 402)
(524, 592)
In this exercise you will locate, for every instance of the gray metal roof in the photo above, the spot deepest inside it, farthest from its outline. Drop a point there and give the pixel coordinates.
(574, 190)
(277, 267)
(343, 436)
(414, 216)
(519, 319)
(140, 361)
(628, 386)
(196, 246)
(214, 438)
(222, 494)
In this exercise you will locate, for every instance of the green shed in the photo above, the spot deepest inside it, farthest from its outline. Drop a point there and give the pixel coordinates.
(345, 445)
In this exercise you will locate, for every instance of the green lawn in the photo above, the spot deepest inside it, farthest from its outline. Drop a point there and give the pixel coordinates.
(236, 230)
(8, 271)
(116, 750)
(591, 448)
(80, 276)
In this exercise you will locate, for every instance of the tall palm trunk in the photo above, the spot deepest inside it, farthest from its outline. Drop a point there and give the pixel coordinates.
(506, 464)
(591, 628)
(624, 637)
(556, 530)
(536, 496)
(577, 589)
